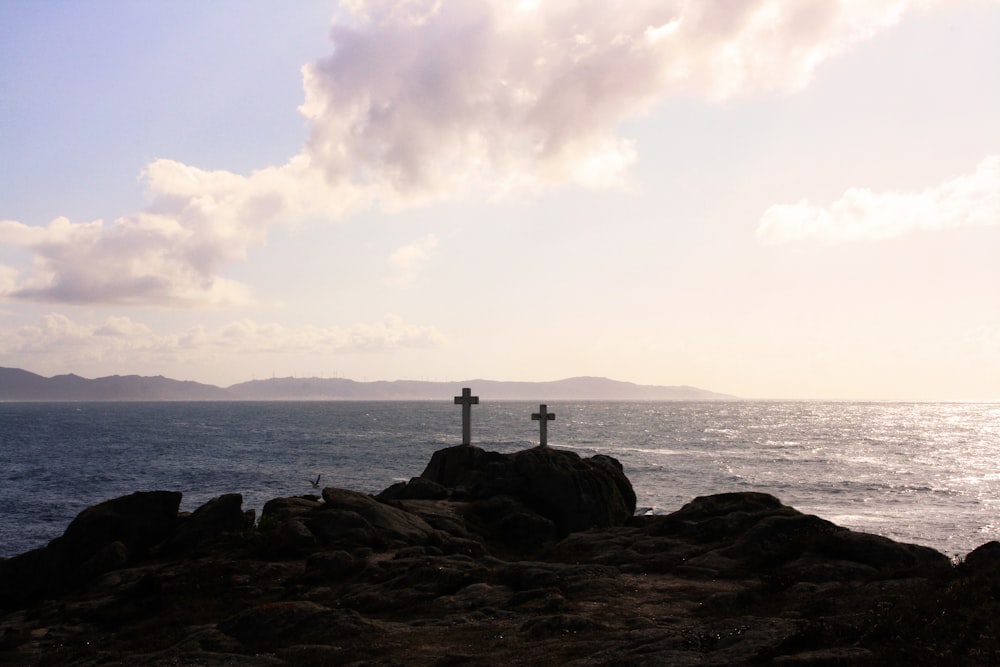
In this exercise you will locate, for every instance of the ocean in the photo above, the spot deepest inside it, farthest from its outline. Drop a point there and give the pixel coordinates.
(927, 473)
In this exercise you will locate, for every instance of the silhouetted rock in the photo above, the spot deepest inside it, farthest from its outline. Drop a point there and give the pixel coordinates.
(572, 492)
(418, 488)
(760, 534)
(140, 521)
(353, 518)
(216, 517)
(101, 538)
(984, 558)
(527, 559)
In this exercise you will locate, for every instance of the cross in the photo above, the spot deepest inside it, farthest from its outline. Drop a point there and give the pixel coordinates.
(466, 400)
(543, 416)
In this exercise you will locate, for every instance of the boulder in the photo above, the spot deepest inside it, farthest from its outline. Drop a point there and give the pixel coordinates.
(220, 515)
(721, 517)
(418, 488)
(572, 492)
(887, 556)
(756, 532)
(365, 520)
(983, 559)
(140, 521)
(101, 538)
(277, 510)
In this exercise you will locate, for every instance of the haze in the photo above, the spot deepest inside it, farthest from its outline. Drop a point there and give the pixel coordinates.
(767, 198)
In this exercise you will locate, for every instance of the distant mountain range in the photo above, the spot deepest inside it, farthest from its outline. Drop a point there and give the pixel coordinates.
(21, 385)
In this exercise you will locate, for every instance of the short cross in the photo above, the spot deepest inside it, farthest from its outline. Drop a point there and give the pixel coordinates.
(543, 416)
(466, 400)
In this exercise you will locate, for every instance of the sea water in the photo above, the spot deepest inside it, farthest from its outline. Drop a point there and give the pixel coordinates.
(927, 473)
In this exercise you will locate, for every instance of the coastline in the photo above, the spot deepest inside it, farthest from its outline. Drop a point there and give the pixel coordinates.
(525, 558)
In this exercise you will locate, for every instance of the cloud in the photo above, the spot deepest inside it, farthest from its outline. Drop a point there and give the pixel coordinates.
(389, 334)
(8, 275)
(423, 100)
(173, 252)
(146, 260)
(407, 261)
(860, 215)
(60, 342)
(122, 327)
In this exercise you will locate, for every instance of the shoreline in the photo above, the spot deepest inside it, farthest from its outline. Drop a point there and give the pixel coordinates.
(523, 558)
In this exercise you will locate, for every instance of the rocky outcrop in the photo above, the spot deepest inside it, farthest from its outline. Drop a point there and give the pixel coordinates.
(745, 533)
(553, 492)
(101, 538)
(519, 559)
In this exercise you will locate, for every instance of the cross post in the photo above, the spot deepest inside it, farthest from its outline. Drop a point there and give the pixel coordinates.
(543, 416)
(466, 400)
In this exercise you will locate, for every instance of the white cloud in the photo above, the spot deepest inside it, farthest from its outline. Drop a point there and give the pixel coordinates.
(423, 100)
(407, 261)
(389, 334)
(8, 275)
(122, 327)
(56, 341)
(860, 214)
(146, 260)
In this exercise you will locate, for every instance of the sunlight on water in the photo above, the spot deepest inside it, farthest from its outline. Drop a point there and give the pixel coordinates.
(924, 473)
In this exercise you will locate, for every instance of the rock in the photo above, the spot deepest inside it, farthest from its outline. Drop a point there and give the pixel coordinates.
(216, 517)
(828, 657)
(526, 530)
(984, 559)
(447, 517)
(777, 539)
(889, 556)
(344, 529)
(332, 564)
(495, 572)
(103, 537)
(761, 534)
(275, 624)
(375, 523)
(722, 516)
(463, 466)
(558, 625)
(418, 488)
(140, 521)
(815, 568)
(109, 557)
(572, 492)
(278, 509)
(292, 535)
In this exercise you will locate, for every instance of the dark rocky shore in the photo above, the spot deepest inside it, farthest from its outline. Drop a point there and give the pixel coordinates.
(487, 559)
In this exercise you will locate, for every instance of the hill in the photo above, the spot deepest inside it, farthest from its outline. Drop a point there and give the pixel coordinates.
(20, 385)
(570, 389)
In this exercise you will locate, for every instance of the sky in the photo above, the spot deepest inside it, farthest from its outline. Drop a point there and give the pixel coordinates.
(768, 198)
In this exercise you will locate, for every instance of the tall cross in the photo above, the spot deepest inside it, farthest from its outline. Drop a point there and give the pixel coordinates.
(466, 400)
(543, 416)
